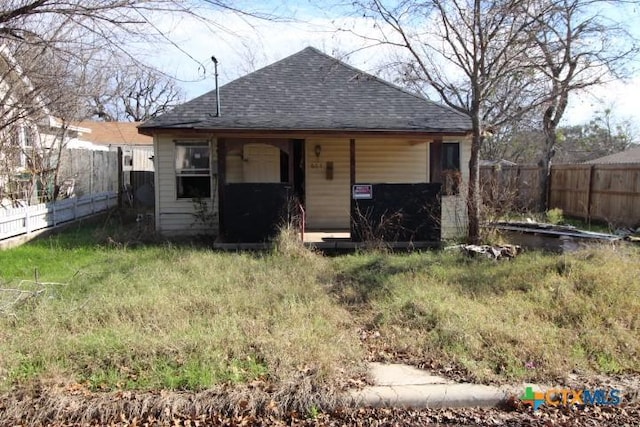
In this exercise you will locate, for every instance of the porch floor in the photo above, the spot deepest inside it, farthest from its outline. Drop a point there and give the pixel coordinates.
(320, 236)
(341, 240)
(328, 240)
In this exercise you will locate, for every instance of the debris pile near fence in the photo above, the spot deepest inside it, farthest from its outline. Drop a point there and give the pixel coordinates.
(496, 252)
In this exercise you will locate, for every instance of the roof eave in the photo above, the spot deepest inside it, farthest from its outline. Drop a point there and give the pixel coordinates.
(150, 131)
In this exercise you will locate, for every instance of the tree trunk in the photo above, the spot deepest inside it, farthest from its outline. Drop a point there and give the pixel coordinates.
(545, 174)
(551, 139)
(473, 193)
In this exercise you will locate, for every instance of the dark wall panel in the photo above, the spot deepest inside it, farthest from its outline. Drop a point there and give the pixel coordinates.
(253, 212)
(398, 213)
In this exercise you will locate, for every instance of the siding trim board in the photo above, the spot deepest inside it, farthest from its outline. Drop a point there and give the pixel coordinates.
(156, 184)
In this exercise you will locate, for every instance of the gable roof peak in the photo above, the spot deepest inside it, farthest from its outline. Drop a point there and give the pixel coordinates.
(311, 90)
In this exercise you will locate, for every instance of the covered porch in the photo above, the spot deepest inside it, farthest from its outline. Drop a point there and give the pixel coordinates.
(341, 193)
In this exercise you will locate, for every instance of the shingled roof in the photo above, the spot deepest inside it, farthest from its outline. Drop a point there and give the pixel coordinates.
(312, 91)
(114, 133)
(632, 155)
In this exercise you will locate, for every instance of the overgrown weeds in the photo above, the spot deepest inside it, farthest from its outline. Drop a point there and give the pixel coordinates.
(284, 326)
(537, 317)
(288, 243)
(180, 319)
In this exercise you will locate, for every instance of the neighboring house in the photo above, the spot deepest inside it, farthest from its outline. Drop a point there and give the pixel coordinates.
(116, 134)
(631, 155)
(310, 127)
(137, 149)
(496, 163)
(137, 157)
(30, 135)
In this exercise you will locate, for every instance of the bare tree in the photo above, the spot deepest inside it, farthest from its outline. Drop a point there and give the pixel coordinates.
(578, 47)
(22, 111)
(471, 54)
(252, 56)
(62, 47)
(132, 93)
(520, 140)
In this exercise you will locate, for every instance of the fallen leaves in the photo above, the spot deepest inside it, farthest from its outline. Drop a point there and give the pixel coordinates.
(186, 409)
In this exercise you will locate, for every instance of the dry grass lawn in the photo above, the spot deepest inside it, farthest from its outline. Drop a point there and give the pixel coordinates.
(187, 318)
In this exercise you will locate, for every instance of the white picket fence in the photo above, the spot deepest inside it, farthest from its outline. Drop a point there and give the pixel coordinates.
(27, 219)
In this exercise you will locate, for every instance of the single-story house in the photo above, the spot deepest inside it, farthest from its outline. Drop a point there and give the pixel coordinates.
(115, 134)
(349, 149)
(496, 163)
(630, 155)
(137, 157)
(137, 149)
(30, 136)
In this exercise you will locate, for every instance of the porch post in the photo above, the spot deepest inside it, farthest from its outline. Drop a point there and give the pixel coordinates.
(352, 181)
(435, 160)
(291, 165)
(352, 163)
(222, 180)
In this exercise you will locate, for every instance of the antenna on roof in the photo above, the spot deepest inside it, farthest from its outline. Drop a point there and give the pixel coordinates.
(215, 73)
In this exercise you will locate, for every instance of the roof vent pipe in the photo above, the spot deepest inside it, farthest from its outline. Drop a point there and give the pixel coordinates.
(215, 73)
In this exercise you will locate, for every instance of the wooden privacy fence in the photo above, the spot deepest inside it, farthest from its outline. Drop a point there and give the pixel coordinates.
(137, 176)
(92, 172)
(89, 179)
(609, 193)
(511, 188)
(27, 219)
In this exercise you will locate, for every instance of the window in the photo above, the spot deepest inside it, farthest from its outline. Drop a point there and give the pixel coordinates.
(451, 178)
(445, 166)
(193, 170)
(29, 137)
(127, 159)
(23, 145)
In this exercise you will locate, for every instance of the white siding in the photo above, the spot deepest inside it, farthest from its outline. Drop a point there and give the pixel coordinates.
(454, 217)
(454, 208)
(177, 216)
(141, 157)
(327, 200)
(465, 155)
(391, 161)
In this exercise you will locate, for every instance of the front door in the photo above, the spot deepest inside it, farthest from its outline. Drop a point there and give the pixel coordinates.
(327, 184)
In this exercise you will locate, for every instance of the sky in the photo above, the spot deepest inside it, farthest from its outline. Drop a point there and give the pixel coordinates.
(242, 44)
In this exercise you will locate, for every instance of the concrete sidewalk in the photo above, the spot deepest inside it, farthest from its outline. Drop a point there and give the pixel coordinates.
(405, 386)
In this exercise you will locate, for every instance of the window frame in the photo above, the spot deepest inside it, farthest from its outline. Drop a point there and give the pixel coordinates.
(192, 172)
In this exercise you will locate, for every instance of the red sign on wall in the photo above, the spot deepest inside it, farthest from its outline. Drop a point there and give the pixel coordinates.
(362, 191)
